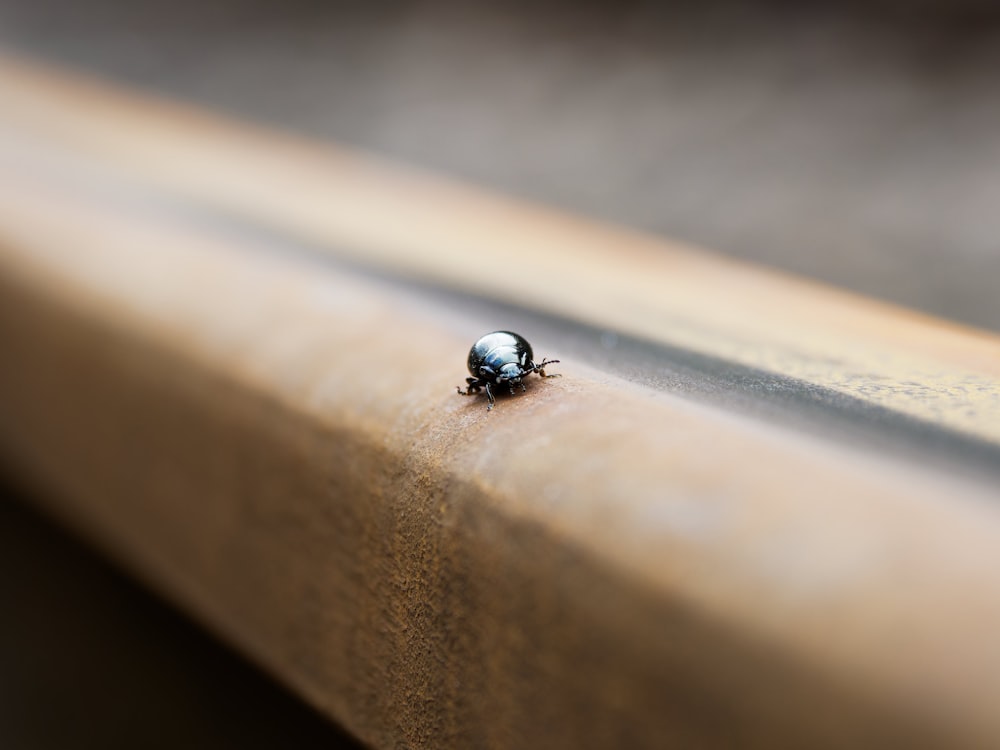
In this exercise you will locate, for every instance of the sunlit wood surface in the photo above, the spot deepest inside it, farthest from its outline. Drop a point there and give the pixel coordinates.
(231, 358)
(386, 217)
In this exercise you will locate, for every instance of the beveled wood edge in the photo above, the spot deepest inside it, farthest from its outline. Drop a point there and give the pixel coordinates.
(188, 403)
(338, 199)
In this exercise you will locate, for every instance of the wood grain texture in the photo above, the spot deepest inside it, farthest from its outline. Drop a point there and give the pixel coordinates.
(402, 221)
(593, 564)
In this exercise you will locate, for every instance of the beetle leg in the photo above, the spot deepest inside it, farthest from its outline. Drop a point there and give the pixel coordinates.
(489, 392)
(474, 386)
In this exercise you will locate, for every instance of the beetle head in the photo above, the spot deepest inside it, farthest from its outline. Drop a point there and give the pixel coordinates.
(510, 371)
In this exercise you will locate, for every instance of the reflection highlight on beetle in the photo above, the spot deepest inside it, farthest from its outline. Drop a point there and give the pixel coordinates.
(501, 358)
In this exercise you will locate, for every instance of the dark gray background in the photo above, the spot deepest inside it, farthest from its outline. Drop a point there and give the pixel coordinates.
(857, 143)
(88, 659)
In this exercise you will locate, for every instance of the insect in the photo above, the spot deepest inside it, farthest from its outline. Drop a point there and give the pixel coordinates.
(499, 358)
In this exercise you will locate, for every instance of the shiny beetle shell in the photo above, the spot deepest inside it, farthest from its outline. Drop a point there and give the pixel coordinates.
(498, 358)
(498, 350)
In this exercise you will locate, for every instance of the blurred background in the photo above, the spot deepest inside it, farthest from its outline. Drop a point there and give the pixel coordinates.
(854, 143)
(90, 659)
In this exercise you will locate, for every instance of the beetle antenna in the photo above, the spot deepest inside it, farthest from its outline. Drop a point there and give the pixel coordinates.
(540, 368)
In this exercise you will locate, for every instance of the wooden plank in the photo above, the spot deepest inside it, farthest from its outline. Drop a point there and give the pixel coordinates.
(407, 222)
(277, 444)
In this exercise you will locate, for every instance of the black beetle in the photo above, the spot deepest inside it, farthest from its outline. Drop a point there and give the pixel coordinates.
(501, 357)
